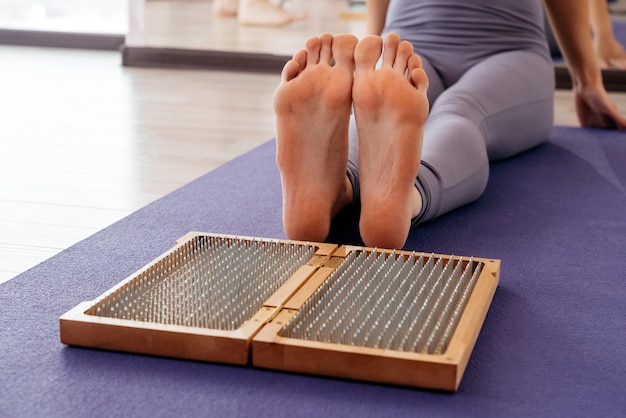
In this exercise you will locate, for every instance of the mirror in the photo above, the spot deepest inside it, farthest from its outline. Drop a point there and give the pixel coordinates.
(192, 24)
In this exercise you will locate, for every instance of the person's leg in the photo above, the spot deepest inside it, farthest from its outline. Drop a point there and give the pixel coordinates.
(498, 108)
(312, 107)
(435, 88)
(390, 109)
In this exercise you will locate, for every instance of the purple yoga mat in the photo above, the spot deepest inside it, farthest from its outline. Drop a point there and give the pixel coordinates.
(553, 343)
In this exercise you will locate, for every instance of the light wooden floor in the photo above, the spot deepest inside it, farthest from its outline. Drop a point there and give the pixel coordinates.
(85, 142)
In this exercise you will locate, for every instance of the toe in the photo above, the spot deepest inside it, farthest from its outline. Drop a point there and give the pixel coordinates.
(414, 61)
(419, 79)
(417, 75)
(390, 51)
(294, 66)
(313, 46)
(326, 44)
(343, 49)
(404, 53)
(290, 70)
(367, 53)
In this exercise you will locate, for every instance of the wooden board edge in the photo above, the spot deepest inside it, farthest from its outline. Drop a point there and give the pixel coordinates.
(271, 351)
(232, 347)
(470, 324)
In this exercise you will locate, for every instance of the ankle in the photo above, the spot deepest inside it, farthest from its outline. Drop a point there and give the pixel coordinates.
(417, 203)
(345, 197)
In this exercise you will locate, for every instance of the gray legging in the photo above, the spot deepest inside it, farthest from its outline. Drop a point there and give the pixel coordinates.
(491, 91)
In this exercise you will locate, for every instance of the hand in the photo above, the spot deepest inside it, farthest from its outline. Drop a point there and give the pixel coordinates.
(595, 109)
(611, 54)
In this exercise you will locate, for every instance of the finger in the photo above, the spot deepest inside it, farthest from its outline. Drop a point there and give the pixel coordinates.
(607, 122)
(617, 120)
(620, 122)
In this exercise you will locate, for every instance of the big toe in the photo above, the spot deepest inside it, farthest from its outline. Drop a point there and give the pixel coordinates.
(367, 52)
(343, 49)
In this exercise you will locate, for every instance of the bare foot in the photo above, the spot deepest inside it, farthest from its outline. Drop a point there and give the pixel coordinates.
(312, 106)
(390, 107)
(264, 13)
(225, 8)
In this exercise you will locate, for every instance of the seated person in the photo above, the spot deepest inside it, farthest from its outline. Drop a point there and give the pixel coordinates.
(410, 137)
